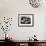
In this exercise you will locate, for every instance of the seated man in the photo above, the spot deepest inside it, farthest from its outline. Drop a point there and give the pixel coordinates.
(10, 38)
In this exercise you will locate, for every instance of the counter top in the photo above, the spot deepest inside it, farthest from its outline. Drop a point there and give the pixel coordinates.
(42, 41)
(2, 40)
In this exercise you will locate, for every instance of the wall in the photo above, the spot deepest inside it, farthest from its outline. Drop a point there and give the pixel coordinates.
(11, 8)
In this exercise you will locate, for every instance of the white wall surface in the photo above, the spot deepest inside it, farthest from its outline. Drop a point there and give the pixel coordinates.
(11, 8)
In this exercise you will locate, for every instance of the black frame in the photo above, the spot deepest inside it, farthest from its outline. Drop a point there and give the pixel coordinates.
(26, 25)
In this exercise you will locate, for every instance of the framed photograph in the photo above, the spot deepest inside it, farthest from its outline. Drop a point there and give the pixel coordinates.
(25, 20)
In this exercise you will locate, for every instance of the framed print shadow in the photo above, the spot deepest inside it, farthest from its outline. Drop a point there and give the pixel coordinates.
(25, 20)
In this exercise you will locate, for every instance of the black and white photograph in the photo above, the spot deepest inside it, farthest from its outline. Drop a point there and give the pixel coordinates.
(25, 20)
(22, 22)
